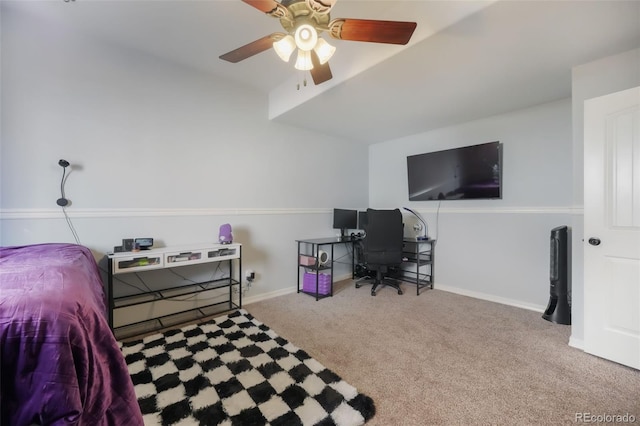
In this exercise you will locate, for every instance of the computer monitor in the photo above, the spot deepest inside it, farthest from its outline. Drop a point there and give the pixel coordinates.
(344, 219)
(362, 220)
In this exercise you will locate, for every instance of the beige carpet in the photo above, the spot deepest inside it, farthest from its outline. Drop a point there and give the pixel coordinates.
(444, 359)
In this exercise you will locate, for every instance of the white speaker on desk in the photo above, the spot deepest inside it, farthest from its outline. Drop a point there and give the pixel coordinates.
(323, 257)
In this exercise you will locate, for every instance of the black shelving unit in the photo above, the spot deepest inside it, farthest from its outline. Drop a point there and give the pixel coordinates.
(418, 263)
(311, 249)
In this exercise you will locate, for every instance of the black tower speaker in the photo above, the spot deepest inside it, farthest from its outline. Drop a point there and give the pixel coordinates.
(559, 310)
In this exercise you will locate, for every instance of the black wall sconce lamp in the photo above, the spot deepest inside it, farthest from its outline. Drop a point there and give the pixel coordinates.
(63, 201)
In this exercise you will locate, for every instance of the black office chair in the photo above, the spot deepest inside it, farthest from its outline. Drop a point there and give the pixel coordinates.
(382, 246)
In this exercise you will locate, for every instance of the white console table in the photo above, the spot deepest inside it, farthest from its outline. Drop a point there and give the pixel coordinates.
(168, 258)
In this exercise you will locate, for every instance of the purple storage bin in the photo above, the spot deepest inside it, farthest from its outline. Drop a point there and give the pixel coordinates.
(309, 283)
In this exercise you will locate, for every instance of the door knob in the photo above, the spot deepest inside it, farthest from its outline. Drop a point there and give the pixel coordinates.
(594, 241)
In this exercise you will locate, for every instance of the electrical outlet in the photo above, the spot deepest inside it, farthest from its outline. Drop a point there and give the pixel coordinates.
(250, 275)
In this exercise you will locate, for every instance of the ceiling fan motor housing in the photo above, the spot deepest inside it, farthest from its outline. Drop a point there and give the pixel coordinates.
(299, 14)
(304, 21)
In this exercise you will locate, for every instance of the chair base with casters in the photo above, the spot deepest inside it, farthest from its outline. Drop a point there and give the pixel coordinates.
(380, 279)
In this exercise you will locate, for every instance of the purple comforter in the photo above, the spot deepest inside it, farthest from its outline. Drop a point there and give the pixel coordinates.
(60, 363)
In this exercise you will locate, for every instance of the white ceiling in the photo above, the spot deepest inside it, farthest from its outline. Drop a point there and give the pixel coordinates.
(466, 60)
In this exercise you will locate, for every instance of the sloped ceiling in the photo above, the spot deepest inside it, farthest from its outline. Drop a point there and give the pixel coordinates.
(466, 60)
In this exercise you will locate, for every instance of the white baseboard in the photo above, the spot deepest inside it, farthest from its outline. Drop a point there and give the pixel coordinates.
(491, 298)
(265, 296)
(477, 295)
(573, 342)
(576, 343)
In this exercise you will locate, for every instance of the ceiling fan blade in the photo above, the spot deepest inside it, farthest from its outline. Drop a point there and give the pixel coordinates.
(265, 6)
(320, 72)
(253, 48)
(393, 32)
(271, 8)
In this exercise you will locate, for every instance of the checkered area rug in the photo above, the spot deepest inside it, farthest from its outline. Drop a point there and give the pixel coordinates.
(234, 370)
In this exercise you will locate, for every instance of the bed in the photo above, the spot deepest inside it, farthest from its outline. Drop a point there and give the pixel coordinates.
(60, 363)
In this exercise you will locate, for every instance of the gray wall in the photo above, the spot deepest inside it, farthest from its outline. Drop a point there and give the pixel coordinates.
(493, 249)
(164, 151)
(157, 150)
(499, 250)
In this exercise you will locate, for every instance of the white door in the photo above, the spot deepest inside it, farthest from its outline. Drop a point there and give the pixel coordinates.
(612, 227)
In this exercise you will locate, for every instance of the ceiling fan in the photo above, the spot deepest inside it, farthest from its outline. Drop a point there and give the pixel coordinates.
(303, 21)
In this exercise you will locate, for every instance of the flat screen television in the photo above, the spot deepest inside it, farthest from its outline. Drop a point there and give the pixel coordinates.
(470, 172)
(344, 219)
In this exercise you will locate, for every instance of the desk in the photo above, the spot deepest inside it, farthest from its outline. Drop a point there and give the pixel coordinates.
(320, 286)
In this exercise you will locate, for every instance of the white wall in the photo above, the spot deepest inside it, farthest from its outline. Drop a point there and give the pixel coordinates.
(157, 150)
(160, 150)
(495, 249)
(598, 78)
(498, 250)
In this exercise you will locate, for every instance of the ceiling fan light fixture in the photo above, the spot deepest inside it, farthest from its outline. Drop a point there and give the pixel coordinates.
(285, 47)
(306, 37)
(324, 50)
(303, 62)
(304, 21)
